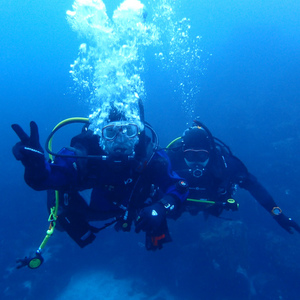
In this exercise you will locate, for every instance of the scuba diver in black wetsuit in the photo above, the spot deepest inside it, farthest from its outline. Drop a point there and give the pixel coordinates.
(122, 172)
(213, 174)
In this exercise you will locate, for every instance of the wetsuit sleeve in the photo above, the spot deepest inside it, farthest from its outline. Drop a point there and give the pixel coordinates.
(167, 180)
(61, 174)
(251, 184)
(67, 172)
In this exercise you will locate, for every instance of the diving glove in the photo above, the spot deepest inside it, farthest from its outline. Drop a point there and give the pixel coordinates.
(30, 262)
(31, 154)
(28, 150)
(150, 218)
(156, 239)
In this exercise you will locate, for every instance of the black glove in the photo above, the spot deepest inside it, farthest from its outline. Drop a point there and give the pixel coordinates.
(31, 154)
(30, 262)
(22, 262)
(150, 218)
(156, 239)
(287, 223)
(28, 150)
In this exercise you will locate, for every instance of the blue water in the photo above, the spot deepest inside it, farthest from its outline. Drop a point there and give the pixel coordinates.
(247, 94)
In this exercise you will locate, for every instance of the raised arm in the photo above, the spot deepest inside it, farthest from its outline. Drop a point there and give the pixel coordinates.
(39, 173)
(250, 183)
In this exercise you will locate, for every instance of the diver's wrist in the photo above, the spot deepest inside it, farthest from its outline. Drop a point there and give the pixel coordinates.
(276, 211)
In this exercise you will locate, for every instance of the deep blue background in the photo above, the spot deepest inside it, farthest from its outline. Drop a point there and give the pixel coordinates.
(249, 97)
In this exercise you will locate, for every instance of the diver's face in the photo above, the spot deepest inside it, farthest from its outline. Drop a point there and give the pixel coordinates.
(120, 138)
(196, 157)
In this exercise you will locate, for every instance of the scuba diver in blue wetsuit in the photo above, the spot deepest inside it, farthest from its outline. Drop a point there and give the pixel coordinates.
(213, 174)
(124, 175)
